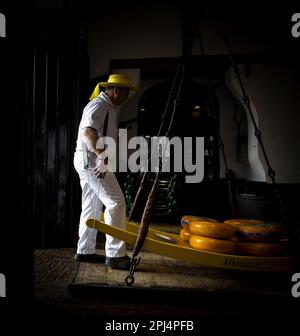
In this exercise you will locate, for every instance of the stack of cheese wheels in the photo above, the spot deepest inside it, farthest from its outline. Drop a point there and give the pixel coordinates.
(211, 235)
(257, 238)
(185, 233)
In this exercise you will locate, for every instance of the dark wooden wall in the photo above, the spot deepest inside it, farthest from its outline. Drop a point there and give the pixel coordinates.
(56, 70)
(43, 75)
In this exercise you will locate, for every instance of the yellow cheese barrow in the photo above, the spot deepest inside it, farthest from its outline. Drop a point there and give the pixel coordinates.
(170, 245)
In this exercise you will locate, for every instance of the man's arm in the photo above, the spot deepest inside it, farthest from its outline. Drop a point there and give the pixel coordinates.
(91, 138)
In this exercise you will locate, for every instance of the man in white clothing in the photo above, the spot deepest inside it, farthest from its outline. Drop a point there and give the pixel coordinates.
(100, 186)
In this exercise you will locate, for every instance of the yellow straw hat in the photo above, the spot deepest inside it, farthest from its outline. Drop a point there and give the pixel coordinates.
(119, 80)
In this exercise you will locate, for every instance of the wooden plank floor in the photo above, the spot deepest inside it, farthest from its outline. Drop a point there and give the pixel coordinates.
(163, 287)
(153, 271)
(160, 272)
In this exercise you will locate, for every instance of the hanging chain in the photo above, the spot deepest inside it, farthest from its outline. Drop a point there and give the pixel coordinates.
(257, 132)
(271, 173)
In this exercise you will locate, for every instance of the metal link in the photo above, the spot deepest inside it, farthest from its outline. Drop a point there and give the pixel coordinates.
(130, 277)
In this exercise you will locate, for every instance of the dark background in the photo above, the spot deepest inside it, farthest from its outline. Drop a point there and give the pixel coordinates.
(36, 36)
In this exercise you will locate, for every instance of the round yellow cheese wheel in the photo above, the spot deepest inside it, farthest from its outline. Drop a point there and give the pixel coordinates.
(185, 220)
(259, 249)
(237, 221)
(212, 244)
(264, 232)
(185, 234)
(212, 229)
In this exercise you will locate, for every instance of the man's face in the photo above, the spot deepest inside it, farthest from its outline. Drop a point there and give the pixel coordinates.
(120, 95)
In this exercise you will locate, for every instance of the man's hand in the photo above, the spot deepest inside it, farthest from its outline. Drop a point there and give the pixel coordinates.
(101, 167)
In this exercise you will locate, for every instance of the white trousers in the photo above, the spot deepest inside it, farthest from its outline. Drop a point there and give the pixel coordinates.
(95, 193)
